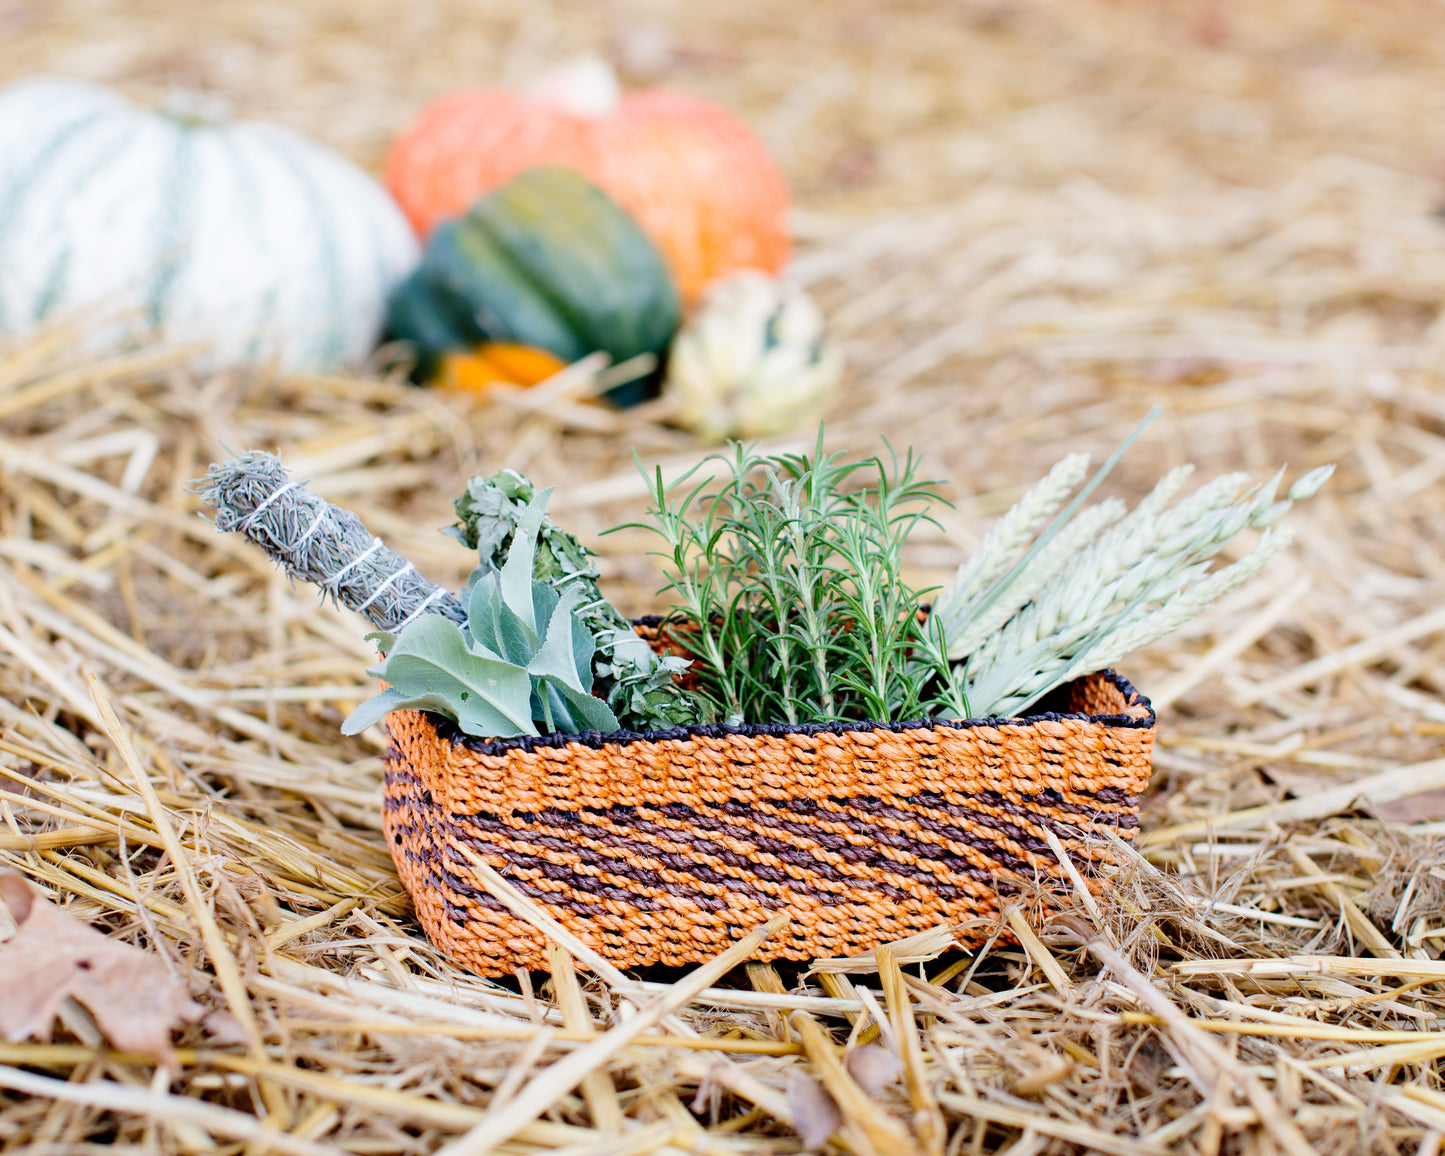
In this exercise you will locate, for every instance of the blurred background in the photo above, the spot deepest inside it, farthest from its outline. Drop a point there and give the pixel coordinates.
(1026, 222)
(869, 106)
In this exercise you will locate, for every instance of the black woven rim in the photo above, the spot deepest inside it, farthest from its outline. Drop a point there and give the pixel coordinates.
(449, 730)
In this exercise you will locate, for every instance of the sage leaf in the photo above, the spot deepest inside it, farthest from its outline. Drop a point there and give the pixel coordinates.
(431, 664)
(495, 627)
(586, 712)
(636, 683)
(557, 657)
(374, 709)
(516, 577)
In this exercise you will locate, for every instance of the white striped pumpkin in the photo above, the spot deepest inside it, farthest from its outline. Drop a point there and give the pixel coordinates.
(256, 243)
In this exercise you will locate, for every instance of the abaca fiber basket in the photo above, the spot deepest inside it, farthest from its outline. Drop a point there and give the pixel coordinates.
(668, 846)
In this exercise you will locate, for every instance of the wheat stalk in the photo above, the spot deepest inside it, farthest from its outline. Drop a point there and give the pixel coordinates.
(1033, 579)
(1014, 531)
(1098, 586)
(1124, 565)
(1009, 685)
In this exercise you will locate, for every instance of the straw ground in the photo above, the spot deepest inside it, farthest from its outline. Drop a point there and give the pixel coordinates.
(1028, 223)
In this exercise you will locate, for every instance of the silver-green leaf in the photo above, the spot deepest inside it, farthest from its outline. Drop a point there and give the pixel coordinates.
(431, 668)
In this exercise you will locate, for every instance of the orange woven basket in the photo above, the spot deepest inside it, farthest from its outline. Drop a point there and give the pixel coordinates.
(668, 846)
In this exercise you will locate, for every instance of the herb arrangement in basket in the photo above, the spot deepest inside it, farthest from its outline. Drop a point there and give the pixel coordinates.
(800, 734)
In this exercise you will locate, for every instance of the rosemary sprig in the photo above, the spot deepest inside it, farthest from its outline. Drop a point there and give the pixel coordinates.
(787, 573)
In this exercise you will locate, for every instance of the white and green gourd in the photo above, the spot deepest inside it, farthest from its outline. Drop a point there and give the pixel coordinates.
(248, 240)
(753, 360)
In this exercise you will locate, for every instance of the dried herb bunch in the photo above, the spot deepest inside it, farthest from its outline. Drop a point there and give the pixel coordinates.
(637, 684)
(785, 575)
(319, 543)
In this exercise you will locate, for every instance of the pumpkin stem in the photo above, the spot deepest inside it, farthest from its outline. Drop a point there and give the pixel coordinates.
(586, 87)
(192, 108)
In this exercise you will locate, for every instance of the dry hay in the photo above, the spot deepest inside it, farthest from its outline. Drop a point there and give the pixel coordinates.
(1028, 223)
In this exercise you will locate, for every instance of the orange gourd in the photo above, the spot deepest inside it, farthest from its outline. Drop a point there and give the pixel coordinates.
(696, 179)
(494, 361)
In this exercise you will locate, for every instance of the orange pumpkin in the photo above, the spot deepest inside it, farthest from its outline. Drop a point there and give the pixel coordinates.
(695, 178)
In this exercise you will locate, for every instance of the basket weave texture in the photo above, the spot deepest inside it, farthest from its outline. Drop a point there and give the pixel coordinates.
(666, 847)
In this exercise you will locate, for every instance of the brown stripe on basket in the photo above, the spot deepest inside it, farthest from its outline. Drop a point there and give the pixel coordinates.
(995, 814)
(774, 864)
(578, 876)
(672, 833)
(866, 851)
(610, 854)
(770, 877)
(629, 844)
(591, 894)
(771, 863)
(479, 933)
(1013, 838)
(472, 927)
(825, 851)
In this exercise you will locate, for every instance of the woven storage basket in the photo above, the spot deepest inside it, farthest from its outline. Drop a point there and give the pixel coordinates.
(666, 847)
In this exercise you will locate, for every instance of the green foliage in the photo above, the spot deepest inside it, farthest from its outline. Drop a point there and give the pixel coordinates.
(788, 576)
(787, 590)
(522, 661)
(637, 684)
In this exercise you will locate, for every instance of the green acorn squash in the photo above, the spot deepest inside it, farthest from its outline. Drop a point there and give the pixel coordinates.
(547, 260)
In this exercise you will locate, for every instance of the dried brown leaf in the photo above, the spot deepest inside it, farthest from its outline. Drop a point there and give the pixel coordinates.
(1425, 807)
(134, 999)
(1146, 1066)
(873, 1068)
(815, 1112)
